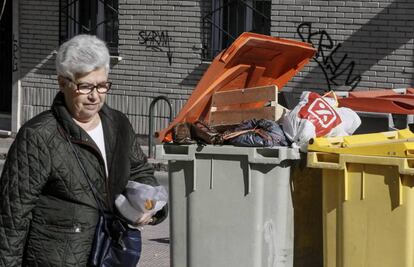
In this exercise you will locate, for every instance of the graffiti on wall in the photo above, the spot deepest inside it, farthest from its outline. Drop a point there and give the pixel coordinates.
(156, 41)
(15, 57)
(335, 71)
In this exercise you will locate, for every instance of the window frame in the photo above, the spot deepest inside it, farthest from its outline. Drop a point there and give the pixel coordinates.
(227, 20)
(97, 17)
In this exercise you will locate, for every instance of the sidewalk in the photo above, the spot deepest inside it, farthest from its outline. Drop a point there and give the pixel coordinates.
(5, 143)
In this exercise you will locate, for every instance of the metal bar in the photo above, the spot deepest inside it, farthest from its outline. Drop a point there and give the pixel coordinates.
(151, 121)
(60, 22)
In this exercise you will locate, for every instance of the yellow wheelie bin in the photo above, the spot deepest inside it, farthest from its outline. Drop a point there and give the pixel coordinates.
(367, 198)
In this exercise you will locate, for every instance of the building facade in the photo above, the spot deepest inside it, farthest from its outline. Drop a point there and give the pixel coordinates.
(163, 47)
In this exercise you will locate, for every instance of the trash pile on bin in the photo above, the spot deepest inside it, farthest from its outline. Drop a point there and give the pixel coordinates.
(355, 191)
(314, 116)
(236, 101)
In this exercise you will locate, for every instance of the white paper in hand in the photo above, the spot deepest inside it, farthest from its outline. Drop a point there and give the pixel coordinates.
(126, 209)
(146, 198)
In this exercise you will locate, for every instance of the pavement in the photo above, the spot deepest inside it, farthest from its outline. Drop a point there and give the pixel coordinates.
(155, 239)
(5, 142)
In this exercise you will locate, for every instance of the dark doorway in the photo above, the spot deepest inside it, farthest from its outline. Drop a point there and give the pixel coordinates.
(6, 48)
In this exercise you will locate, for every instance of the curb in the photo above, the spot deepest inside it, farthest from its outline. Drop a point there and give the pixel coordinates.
(6, 134)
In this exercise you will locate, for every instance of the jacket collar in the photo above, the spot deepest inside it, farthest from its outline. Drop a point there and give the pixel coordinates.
(65, 119)
(77, 134)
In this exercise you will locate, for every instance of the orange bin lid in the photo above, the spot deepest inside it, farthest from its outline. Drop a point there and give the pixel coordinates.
(382, 101)
(372, 93)
(252, 60)
(380, 105)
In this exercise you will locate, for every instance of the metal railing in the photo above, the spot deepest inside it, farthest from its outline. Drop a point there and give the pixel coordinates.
(151, 122)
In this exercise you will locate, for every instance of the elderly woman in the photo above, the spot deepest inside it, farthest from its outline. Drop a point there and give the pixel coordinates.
(48, 213)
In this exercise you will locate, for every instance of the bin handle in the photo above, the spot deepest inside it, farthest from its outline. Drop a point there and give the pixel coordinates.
(409, 153)
(182, 152)
(324, 160)
(406, 167)
(272, 156)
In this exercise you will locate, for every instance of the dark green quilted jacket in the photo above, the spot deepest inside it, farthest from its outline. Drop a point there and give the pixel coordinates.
(47, 212)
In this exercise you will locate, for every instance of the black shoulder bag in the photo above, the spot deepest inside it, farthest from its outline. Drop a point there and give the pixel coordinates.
(114, 244)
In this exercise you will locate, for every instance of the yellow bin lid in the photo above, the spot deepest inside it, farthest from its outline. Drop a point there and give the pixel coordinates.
(388, 144)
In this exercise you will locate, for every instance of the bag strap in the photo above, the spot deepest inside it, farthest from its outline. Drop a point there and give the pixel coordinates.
(333, 95)
(262, 133)
(93, 189)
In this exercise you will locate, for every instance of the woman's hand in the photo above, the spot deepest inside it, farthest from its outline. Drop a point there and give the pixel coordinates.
(145, 219)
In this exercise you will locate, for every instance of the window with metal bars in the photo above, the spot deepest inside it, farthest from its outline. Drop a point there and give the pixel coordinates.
(230, 18)
(98, 17)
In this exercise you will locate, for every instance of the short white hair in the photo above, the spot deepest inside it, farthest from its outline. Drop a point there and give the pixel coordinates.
(80, 55)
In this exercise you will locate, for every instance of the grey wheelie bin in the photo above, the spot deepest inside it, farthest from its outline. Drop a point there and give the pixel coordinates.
(230, 206)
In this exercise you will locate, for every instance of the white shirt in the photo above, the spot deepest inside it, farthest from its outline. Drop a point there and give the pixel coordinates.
(98, 137)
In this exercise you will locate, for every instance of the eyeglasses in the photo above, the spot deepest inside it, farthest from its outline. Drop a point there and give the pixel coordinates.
(87, 88)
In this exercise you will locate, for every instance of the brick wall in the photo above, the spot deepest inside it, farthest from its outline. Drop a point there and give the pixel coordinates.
(160, 47)
(365, 44)
(38, 33)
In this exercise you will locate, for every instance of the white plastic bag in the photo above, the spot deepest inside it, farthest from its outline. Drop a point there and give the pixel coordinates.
(141, 201)
(350, 122)
(316, 116)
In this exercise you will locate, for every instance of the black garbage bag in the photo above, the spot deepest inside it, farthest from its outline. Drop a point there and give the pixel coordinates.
(257, 133)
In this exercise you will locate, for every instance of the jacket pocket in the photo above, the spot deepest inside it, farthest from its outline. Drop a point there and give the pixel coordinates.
(51, 245)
